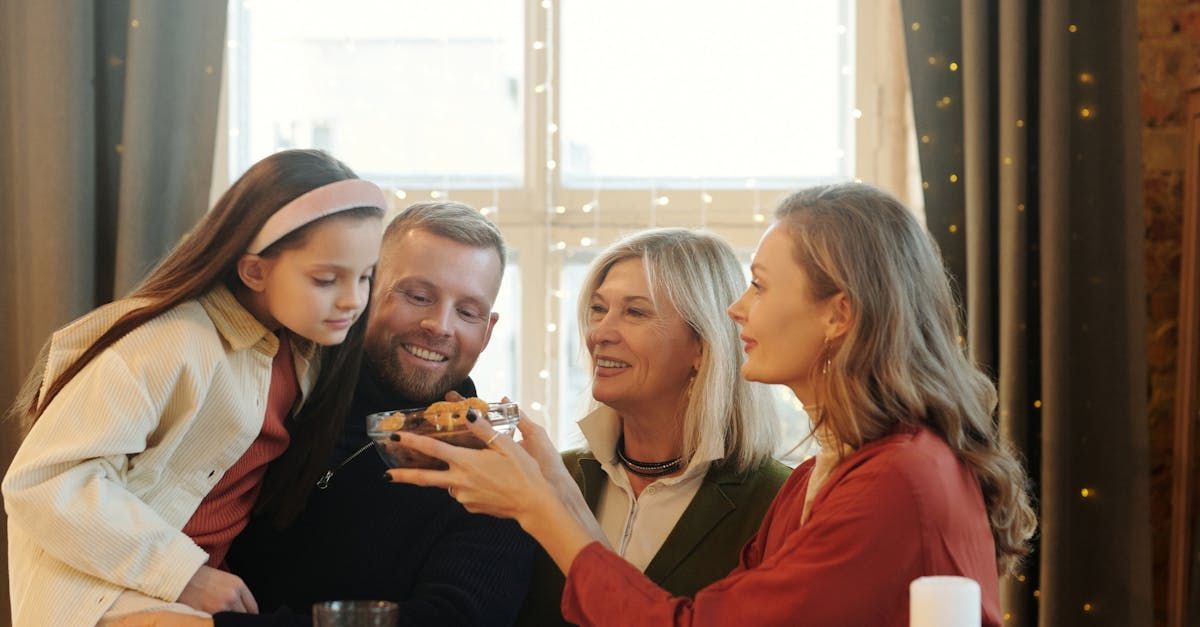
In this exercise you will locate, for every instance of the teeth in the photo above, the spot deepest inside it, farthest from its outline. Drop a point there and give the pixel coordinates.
(427, 355)
(608, 363)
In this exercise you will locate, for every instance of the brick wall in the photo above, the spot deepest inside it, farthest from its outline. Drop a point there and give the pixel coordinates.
(1168, 56)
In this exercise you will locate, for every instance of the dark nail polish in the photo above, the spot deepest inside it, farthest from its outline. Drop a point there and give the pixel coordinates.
(395, 437)
(472, 415)
(387, 478)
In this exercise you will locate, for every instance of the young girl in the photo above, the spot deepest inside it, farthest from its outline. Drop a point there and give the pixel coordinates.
(154, 417)
(850, 307)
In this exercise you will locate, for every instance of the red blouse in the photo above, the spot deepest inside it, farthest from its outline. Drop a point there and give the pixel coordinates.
(897, 509)
(223, 514)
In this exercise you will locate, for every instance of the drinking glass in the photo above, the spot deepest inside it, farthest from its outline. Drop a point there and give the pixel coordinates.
(355, 614)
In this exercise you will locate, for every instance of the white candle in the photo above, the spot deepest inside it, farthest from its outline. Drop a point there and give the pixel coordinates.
(944, 602)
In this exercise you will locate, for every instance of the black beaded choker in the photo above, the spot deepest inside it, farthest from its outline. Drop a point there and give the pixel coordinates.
(647, 469)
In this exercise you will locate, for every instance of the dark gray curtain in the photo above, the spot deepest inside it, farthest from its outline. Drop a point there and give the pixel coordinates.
(108, 114)
(1030, 149)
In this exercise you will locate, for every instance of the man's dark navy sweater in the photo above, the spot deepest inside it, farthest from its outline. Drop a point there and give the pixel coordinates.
(364, 538)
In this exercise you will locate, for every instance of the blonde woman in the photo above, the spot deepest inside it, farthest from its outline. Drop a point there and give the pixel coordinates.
(677, 467)
(851, 308)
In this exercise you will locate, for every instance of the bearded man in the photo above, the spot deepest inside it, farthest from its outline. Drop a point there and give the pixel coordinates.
(361, 537)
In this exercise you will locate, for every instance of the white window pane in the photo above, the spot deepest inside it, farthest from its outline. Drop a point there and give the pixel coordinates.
(497, 373)
(574, 375)
(406, 92)
(717, 91)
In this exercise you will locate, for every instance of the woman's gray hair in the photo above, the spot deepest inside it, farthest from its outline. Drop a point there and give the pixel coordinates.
(699, 274)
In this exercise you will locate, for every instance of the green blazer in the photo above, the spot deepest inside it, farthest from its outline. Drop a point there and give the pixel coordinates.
(703, 547)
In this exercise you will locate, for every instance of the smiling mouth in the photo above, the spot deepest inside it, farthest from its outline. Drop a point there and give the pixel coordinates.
(424, 353)
(610, 363)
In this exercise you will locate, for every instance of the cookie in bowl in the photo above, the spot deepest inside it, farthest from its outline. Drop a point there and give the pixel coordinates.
(444, 420)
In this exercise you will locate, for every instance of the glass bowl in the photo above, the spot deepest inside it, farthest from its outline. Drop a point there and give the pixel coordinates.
(441, 421)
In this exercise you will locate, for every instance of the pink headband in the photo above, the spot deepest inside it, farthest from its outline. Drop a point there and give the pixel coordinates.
(316, 204)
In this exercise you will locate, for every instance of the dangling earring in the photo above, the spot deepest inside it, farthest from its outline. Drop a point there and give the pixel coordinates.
(828, 358)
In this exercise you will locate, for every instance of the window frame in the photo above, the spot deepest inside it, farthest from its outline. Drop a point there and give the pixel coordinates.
(529, 215)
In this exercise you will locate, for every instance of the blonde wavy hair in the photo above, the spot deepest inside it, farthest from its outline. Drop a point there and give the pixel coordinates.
(699, 274)
(902, 360)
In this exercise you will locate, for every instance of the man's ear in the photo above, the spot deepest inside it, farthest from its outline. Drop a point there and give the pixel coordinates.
(841, 316)
(252, 270)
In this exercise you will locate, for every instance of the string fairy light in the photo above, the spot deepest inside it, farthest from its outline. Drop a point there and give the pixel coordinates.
(564, 221)
(544, 91)
(493, 211)
(653, 203)
(440, 112)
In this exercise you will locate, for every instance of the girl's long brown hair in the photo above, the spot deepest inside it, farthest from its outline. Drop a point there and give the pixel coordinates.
(207, 256)
(901, 362)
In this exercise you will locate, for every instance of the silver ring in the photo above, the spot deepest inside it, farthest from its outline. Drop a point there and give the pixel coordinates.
(492, 439)
(450, 491)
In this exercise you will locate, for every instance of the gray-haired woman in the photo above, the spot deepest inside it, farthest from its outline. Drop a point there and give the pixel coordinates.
(677, 467)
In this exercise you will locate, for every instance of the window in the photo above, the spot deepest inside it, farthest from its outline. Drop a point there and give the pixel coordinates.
(496, 374)
(567, 122)
(705, 91)
(410, 93)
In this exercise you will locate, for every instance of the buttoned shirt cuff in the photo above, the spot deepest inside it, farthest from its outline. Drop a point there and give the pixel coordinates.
(174, 568)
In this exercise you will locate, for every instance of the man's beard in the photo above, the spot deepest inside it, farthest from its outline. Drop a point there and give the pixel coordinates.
(411, 383)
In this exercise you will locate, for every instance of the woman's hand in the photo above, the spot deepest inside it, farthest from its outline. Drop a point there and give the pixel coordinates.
(503, 480)
(211, 590)
(507, 480)
(536, 442)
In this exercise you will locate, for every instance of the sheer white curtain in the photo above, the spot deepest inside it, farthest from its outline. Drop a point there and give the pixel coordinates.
(107, 111)
(886, 142)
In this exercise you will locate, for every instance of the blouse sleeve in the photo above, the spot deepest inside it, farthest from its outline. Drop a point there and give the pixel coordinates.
(66, 485)
(850, 564)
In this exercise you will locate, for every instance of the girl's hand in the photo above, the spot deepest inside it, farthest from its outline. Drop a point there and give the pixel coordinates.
(211, 590)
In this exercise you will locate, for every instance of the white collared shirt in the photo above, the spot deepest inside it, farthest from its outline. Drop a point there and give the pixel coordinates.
(101, 487)
(636, 527)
